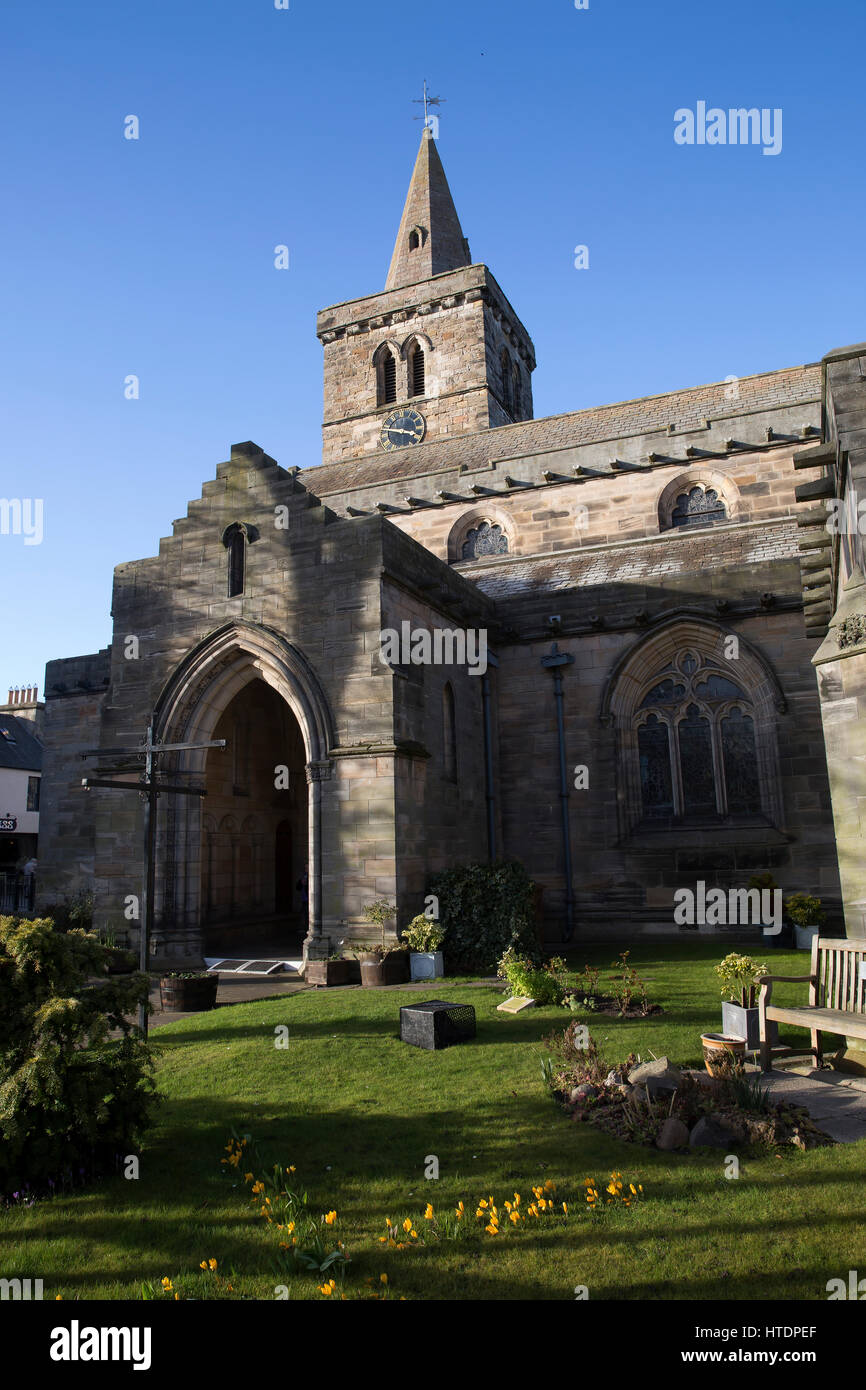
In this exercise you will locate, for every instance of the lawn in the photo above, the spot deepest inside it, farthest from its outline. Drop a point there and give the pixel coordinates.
(358, 1113)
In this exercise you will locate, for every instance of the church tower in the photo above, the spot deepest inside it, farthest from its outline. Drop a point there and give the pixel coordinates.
(438, 352)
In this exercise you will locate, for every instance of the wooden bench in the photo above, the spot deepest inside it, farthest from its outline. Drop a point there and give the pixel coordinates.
(837, 998)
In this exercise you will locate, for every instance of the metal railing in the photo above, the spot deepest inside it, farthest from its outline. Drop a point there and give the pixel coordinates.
(17, 893)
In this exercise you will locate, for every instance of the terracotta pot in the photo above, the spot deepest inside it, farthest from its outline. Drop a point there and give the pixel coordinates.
(722, 1054)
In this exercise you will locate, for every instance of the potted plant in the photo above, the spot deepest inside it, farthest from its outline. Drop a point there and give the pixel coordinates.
(424, 939)
(723, 1055)
(740, 1014)
(120, 962)
(808, 917)
(383, 964)
(333, 971)
(188, 991)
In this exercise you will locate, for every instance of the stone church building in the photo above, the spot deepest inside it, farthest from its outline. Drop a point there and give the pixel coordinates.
(675, 647)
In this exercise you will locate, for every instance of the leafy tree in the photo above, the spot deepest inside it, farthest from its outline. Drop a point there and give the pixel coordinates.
(76, 1086)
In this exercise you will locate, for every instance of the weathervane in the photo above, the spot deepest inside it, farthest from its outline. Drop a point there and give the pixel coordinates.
(427, 101)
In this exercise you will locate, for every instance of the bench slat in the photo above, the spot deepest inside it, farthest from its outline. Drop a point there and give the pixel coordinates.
(830, 1020)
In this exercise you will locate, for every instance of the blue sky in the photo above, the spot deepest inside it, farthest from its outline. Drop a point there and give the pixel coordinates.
(261, 127)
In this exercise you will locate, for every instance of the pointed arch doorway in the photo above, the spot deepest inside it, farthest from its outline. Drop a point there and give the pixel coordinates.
(222, 866)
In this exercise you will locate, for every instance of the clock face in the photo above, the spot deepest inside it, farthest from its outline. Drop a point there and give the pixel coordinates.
(402, 427)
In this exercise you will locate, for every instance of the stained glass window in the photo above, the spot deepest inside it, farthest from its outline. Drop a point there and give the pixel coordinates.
(655, 769)
(741, 763)
(667, 692)
(484, 539)
(696, 763)
(697, 749)
(698, 507)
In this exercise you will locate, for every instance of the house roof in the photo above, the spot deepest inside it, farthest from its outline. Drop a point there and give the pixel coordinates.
(19, 746)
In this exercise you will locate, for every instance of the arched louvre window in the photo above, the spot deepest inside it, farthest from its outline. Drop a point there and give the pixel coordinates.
(696, 744)
(235, 541)
(386, 376)
(505, 366)
(698, 507)
(484, 539)
(449, 733)
(416, 371)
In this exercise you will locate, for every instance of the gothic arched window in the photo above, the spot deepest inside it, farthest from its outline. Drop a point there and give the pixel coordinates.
(416, 370)
(516, 405)
(386, 376)
(449, 733)
(698, 507)
(504, 363)
(235, 542)
(485, 538)
(696, 744)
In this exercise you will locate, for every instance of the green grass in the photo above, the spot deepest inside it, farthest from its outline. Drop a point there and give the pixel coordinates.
(358, 1112)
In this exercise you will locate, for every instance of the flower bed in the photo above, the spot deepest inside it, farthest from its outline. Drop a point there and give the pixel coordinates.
(658, 1103)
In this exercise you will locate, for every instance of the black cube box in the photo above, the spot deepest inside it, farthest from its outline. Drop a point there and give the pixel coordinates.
(436, 1024)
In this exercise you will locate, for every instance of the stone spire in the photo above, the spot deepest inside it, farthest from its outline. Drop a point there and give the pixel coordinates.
(430, 239)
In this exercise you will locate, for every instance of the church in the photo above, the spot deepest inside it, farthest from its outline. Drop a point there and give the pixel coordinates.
(646, 664)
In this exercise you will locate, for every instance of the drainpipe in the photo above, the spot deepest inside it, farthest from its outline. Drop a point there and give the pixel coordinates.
(554, 662)
(488, 760)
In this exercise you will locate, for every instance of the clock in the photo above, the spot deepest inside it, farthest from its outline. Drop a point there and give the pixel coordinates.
(402, 427)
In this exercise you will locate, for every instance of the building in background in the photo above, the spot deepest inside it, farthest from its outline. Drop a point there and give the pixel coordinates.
(20, 786)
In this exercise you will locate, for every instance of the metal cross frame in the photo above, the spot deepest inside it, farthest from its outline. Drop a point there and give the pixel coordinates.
(149, 789)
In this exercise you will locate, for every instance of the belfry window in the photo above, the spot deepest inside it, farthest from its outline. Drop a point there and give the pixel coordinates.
(696, 744)
(698, 507)
(484, 539)
(416, 371)
(235, 542)
(414, 240)
(516, 408)
(386, 377)
(505, 367)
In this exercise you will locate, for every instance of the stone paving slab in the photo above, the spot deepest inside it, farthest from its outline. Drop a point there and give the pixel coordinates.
(835, 1100)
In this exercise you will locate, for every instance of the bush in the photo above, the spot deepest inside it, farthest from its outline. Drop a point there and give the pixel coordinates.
(71, 1098)
(543, 983)
(484, 909)
(423, 935)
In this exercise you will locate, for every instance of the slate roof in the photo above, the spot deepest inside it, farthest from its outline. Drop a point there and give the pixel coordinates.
(25, 753)
(684, 410)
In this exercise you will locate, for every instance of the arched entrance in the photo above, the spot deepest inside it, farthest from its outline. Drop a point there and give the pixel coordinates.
(254, 837)
(217, 863)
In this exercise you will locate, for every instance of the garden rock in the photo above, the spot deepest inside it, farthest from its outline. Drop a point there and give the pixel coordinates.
(673, 1134)
(583, 1092)
(663, 1073)
(711, 1132)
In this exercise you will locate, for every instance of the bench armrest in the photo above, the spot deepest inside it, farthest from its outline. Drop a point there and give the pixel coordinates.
(788, 979)
(767, 981)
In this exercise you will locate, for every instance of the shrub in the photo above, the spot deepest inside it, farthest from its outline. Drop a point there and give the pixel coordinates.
(72, 1098)
(739, 976)
(543, 983)
(805, 911)
(485, 908)
(423, 935)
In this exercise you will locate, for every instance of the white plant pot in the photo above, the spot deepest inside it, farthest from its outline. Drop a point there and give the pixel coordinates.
(804, 936)
(426, 965)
